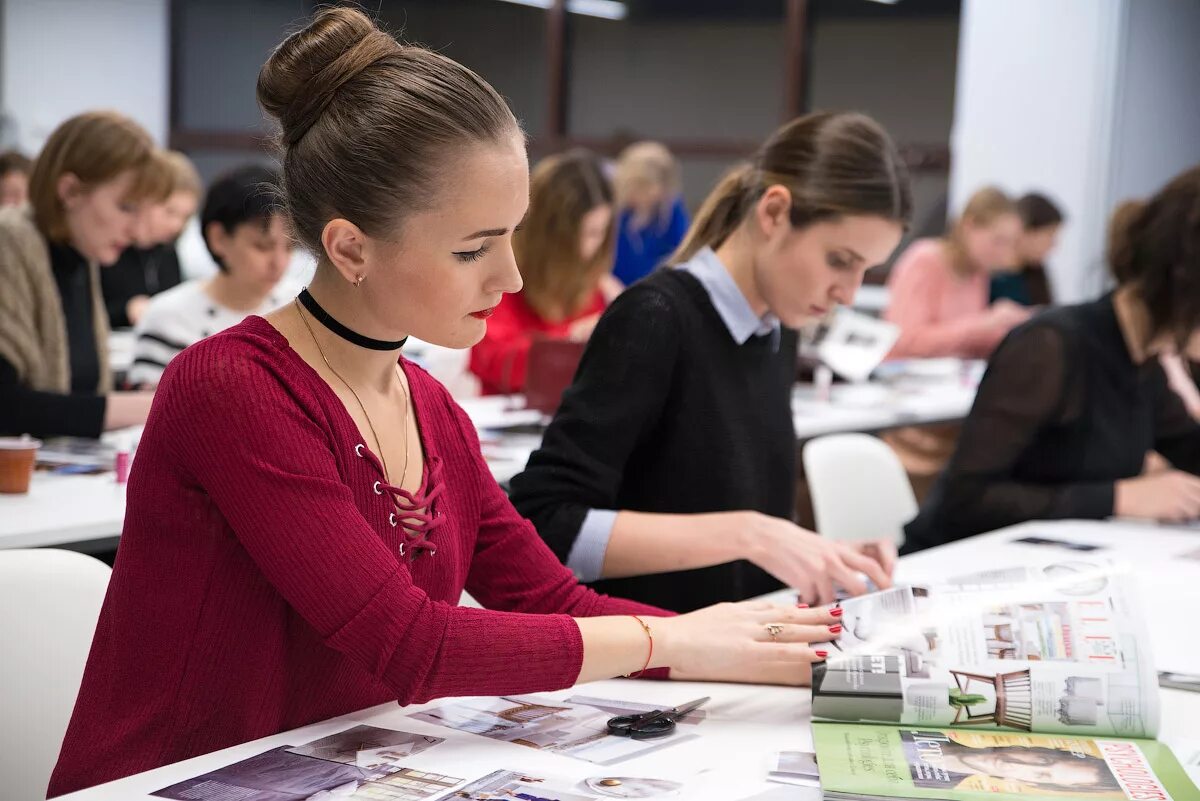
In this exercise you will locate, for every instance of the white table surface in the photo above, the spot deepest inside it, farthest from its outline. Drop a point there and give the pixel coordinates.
(746, 724)
(71, 509)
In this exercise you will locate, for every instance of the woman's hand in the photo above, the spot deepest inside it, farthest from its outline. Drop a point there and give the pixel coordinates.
(1169, 496)
(812, 564)
(734, 642)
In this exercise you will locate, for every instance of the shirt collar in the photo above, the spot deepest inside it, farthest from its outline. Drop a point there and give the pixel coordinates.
(729, 301)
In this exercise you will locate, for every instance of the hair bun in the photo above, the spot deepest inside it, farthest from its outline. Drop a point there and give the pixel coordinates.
(304, 73)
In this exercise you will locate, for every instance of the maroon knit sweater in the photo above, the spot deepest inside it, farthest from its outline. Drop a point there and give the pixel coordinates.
(260, 584)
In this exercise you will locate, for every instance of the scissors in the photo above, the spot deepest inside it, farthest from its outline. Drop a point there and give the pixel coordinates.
(656, 723)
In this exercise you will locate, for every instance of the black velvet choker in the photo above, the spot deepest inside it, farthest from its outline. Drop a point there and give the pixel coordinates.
(326, 319)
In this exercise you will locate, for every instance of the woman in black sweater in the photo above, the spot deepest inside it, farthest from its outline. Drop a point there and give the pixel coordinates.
(86, 190)
(669, 470)
(1074, 400)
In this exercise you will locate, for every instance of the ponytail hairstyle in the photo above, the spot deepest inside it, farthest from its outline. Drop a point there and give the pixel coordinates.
(984, 207)
(835, 164)
(366, 123)
(1154, 247)
(563, 188)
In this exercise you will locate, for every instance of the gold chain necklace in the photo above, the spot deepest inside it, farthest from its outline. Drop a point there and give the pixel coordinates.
(346, 384)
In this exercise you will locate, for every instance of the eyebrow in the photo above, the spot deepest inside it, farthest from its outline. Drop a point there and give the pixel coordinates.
(486, 232)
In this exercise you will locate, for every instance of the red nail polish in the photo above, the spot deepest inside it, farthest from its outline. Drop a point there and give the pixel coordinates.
(836, 612)
(801, 606)
(835, 628)
(821, 654)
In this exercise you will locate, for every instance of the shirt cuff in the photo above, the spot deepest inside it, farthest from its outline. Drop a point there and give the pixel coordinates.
(586, 559)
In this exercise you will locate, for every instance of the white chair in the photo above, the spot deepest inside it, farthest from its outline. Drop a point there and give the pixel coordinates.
(49, 603)
(859, 488)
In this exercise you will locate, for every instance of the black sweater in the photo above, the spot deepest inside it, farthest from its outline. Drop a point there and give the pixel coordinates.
(1062, 414)
(139, 271)
(667, 413)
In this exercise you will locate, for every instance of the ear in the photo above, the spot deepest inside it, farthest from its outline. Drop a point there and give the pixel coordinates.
(69, 189)
(772, 211)
(218, 238)
(346, 246)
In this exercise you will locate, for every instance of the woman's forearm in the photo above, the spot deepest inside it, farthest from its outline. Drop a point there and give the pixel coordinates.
(644, 543)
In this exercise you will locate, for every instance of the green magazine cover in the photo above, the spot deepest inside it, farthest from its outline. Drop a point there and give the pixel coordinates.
(867, 761)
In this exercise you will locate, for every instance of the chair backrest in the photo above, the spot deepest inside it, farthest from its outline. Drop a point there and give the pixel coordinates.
(549, 371)
(49, 603)
(859, 488)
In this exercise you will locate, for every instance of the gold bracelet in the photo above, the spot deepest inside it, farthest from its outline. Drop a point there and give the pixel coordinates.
(650, 655)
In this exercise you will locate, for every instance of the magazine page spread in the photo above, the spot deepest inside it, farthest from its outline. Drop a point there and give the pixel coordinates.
(1054, 648)
(870, 762)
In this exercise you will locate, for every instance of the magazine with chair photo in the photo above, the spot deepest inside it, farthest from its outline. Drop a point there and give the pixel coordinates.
(1052, 650)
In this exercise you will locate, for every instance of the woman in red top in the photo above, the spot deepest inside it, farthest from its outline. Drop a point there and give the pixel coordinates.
(564, 251)
(306, 506)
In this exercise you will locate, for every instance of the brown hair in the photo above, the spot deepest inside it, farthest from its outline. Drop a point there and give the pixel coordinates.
(984, 207)
(835, 164)
(366, 121)
(95, 147)
(562, 189)
(12, 161)
(180, 173)
(1155, 247)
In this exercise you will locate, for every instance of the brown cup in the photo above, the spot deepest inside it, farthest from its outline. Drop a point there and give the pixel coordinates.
(17, 455)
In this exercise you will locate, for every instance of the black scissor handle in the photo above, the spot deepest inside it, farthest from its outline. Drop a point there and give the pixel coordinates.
(645, 726)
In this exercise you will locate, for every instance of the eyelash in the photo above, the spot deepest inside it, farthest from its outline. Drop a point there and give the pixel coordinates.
(472, 255)
(836, 262)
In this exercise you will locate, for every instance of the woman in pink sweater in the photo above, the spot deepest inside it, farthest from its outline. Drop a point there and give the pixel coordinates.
(307, 506)
(939, 287)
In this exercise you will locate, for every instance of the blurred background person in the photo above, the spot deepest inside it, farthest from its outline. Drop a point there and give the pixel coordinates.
(14, 178)
(564, 250)
(652, 218)
(150, 265)
(1026, 283)
(246, 233)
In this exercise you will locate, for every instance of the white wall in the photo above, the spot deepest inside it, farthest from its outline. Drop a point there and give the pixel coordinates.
(61, 57)
(1157, 130)
(1034, 110)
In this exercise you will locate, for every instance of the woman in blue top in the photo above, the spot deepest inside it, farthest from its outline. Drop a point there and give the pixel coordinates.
(653, 218)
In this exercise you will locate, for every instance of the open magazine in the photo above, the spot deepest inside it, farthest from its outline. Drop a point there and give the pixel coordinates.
(1035, 681)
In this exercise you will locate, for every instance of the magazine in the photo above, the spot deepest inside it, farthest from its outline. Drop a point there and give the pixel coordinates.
(359, 764)
(1023, 664)
(576, 727)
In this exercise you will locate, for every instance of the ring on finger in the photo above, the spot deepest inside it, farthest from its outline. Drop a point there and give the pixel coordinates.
(774, 629)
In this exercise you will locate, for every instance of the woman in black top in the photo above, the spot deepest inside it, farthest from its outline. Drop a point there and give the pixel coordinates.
(150, 265)
(1074, 400)
(85, 191)
(669, 469)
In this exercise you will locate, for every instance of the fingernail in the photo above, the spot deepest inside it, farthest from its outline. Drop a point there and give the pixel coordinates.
(836, 612)
(835, 628)
(801, 606)
(821, 654)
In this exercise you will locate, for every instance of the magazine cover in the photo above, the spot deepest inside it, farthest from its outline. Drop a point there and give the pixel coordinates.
(1052, 648)
(860, 761)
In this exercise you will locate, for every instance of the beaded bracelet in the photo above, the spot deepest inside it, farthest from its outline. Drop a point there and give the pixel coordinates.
(650, 655)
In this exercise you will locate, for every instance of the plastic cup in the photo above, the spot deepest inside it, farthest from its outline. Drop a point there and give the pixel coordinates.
(17, 455)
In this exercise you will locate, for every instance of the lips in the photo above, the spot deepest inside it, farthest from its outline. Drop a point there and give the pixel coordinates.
(818, 311)
(484, 314)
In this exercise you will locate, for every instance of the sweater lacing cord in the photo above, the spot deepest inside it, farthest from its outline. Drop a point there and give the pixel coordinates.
(419, 514)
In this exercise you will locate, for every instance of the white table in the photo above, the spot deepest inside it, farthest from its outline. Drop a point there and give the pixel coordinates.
(746, 724)
(89, 511)
(59, 510)
(911, 393)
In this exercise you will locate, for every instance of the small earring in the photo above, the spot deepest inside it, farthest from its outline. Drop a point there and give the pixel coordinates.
(358, 280)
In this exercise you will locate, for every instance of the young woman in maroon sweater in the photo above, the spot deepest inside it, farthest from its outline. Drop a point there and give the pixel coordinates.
(306, 507)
